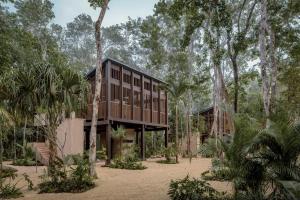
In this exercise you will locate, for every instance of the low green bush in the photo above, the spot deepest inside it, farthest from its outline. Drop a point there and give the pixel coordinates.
(193, 189)
(218, 172)
(9, 190)
(127, 163)
(8, 172)
(76, 180)
(170, 161)
(26, 162)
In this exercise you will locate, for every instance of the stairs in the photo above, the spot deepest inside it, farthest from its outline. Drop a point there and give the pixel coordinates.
(42, 152)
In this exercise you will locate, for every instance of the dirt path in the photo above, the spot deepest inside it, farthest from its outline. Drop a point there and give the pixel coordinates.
(115, 184)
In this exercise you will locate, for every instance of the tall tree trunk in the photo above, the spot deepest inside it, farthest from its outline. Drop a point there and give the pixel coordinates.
(96, 99)
(15, 144)
(268, 80)
(1, 154)
(24, 138)
(52, 147)
(236, 83)
(176, 132)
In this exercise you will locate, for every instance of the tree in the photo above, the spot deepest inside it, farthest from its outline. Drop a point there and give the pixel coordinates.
(103, 4)
(239, 24)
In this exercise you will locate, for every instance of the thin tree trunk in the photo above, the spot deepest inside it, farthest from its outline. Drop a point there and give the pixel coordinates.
(176, 132)
(263, 59)
(24, 138)
(96, 99)
(1, 155)
(15, 152)
(236, 84)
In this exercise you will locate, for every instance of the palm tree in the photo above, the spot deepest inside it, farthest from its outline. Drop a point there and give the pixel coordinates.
(25, 97)
(278, 148)
(119, 134)
(61, 89)
(177, 89)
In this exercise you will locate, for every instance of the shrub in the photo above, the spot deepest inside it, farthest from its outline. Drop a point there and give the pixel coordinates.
(127, 163)
(26, 162)
(9, 190)
(171, 161)
(76, 180)
(101, 154)
(8, 172)
(208, 149)
(193, 189)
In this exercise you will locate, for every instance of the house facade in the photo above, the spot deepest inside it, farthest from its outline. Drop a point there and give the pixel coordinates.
(131, 99)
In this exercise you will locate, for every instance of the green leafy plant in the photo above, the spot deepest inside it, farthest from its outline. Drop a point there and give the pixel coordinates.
(101, 154)
(9, 190)
(193, 189)
(127, 163)
(29, 181)
(8, 172)
(76, 180)
(169, 153)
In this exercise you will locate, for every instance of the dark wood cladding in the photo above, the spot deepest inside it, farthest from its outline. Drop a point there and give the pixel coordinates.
(129, 95)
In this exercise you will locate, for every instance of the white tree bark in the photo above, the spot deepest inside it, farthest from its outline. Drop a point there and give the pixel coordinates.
(98, 83)
(268, 66)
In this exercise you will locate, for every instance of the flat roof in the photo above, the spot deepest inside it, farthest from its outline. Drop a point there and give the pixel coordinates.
(138, 71)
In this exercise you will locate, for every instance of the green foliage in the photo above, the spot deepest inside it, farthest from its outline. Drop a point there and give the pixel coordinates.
(193, 189)
(101, 154)
(170, 153)
(29, 181)
(9, 191)
(26, 162)
(127, 163)
(210, 148)
(8, 172)
(74, 181)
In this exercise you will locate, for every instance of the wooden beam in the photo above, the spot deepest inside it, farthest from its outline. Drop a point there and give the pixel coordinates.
(159, 106)
(142, 98)
(166, 137)
(166, 107)
(121, 85)
(108, 91)
(108, 143)
(143, 146)
(132, 94)
(151, 100)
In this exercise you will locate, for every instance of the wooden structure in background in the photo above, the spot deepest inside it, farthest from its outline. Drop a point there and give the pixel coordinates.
(208, 115)
(129, 98)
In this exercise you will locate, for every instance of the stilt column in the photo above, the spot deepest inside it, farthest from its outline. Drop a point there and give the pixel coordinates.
(143, 149)
(166, 137)
(108, 143)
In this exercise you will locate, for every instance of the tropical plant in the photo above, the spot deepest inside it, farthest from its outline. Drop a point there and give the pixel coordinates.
(119, 134)
(193, 189)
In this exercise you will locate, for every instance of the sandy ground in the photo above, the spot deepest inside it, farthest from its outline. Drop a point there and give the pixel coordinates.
(115, 184)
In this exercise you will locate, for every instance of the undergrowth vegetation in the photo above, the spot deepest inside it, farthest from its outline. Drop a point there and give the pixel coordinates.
(67, 179)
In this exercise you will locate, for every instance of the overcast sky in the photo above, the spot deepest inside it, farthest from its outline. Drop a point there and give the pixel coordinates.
(119, 10)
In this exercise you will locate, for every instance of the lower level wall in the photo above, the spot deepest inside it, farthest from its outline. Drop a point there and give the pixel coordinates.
(70, 137)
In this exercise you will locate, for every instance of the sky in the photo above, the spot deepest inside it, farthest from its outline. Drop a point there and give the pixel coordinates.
(119, 10)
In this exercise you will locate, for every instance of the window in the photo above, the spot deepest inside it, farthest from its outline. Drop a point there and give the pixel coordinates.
(126, 96)
(154, 88)
(146, 86)
(147, 101)
(115, 92)
(137, 82)
(137, 98)
(155, 104)
(115, 74)
(127, 78)
(162, 105)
